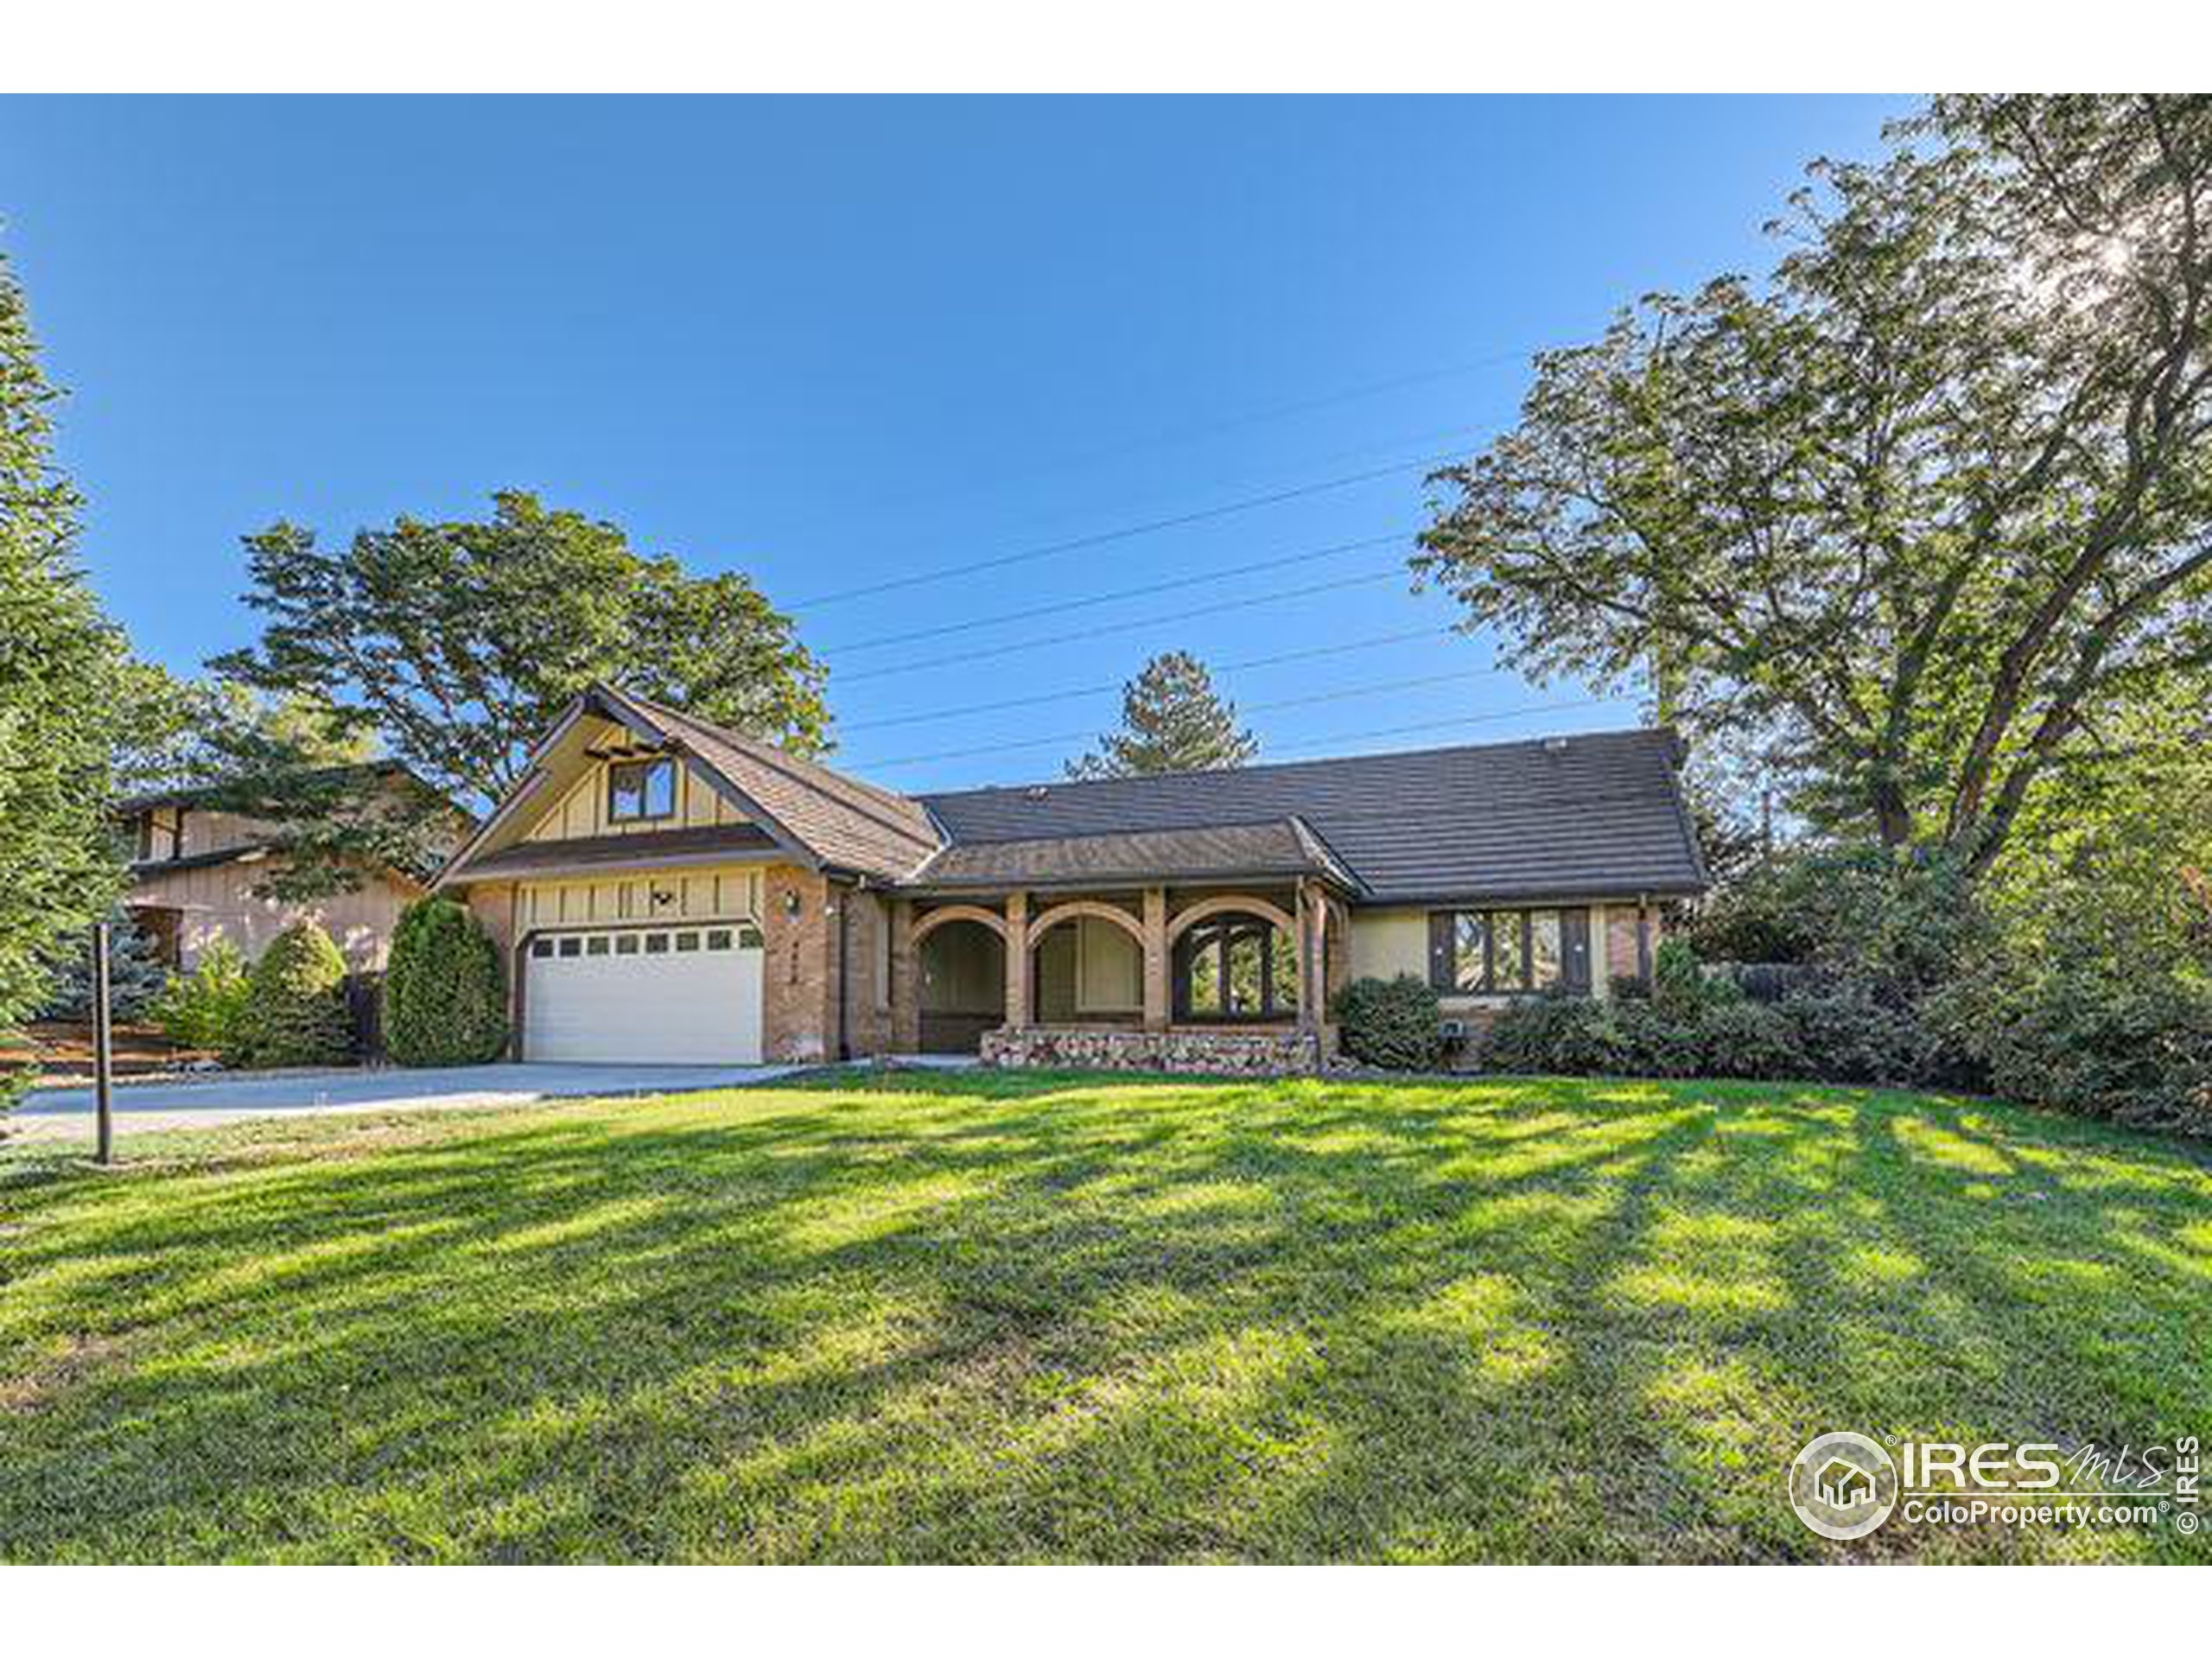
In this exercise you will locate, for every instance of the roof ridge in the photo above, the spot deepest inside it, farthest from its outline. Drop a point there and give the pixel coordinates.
(1262, 821)
(795, 767)
(1058, 785)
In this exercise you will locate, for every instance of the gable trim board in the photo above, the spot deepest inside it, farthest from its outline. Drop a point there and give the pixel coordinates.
(612, 706)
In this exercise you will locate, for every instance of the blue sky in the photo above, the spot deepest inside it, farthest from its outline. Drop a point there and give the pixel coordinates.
(835, 343)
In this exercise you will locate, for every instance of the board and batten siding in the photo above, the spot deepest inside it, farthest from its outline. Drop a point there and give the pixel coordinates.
(1386, 943)
(217, 902)
(720, 894)
(582, 811)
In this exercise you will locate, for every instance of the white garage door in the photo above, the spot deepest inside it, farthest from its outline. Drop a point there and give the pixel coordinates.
(644, 995)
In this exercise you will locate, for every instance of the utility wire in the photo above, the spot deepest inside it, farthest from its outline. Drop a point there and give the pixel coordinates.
(1269, 598)
(1173, 437)
(1339, 739)
(1224, 573)
(1331, 742)
(1203, 515)
(1310, 698)
(1074, 692)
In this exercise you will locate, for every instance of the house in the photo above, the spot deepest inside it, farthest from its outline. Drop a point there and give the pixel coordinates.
(667, 890)
(196, 869)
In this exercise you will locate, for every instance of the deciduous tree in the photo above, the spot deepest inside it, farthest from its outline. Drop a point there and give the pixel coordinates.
(458, 643)
(1921, 515)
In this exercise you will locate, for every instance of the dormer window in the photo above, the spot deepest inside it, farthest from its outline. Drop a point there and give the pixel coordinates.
(640, 790)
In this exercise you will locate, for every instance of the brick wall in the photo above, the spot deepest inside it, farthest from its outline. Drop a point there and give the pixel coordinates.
(868, 921)
(798, 989)
(905, 1028)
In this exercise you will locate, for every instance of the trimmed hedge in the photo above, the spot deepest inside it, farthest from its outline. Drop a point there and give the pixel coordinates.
(1702, 1033)
(1393, 1024)
(445, 997)
(295, 1011)
(1854, 1035)
(1575, 1035)
(1750, 1040)
(2139, 1052)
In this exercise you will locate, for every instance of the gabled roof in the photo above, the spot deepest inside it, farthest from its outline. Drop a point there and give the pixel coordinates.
(1279, 846)
(814, 815)
(842, 821)
(1594, 816)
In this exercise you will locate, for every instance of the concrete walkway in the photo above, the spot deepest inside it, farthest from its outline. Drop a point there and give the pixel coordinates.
(203, 1103)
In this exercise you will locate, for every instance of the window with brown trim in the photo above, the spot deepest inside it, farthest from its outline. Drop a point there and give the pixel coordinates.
(1235, 967)
(1509, 952)
(640, 791)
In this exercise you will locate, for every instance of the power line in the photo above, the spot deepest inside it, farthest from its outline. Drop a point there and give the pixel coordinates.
(1189, 434)
(1125, 532)
(1056, 606)
(1339, 739)
(1271, 597)
(1310, 698)
(1439, 724)
(1074, 692)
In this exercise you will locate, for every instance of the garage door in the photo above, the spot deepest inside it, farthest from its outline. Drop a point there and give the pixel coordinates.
(645, 995)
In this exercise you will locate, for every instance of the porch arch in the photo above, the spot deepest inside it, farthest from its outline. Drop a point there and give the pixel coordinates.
(1226, 904)
(1047, 920)
(927, 924)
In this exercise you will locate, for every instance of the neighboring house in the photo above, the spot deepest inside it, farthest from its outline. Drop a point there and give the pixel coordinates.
(195, 870)
(668, 890)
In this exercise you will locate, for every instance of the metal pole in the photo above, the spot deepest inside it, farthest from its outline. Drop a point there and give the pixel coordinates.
(102, 1045)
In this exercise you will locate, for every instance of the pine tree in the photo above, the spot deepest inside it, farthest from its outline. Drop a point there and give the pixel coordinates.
(1173, 720)
(58, 660)
(136, 976)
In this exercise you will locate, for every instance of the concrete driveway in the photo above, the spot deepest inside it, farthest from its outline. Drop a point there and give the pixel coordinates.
(67, 1114)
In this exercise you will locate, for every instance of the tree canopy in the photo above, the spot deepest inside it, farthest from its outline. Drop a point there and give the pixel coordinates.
(1921, 520)
(174, 732)
(458, 643)
(58, 868)
(1173, 720)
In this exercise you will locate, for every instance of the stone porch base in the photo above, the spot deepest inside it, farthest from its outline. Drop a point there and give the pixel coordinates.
(1247, 1053)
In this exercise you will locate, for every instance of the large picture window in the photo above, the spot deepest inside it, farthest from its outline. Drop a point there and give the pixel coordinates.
(1504, 952)
(1236, 967)
(640, 789)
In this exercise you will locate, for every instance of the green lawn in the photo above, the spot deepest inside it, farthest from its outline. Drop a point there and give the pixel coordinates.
(1065, 1317)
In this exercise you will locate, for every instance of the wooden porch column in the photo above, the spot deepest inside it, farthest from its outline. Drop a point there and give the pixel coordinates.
(1155, 959)
(1309, 912)
(905, 979)
(1017, 960)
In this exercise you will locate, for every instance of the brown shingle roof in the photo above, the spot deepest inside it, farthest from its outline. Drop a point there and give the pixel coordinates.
(700, 844)
(1590, 816)
(1281, 847)
(840, 820)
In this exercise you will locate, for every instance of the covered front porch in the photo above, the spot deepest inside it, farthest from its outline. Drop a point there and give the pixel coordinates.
(1218, 977)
